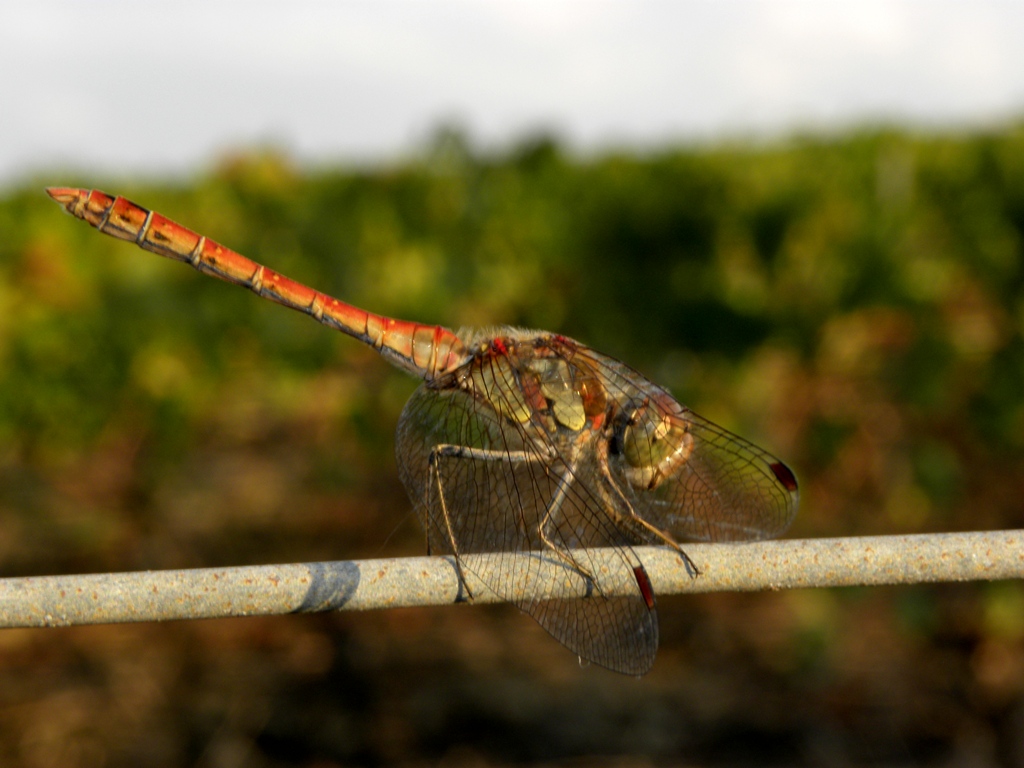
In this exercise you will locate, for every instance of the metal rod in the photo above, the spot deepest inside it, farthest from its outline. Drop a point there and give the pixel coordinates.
(49, 601)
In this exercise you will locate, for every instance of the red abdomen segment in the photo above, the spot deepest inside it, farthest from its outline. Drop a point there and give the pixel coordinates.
(424, 350)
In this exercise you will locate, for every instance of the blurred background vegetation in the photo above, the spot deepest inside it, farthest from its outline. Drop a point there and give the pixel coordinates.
(854, 304)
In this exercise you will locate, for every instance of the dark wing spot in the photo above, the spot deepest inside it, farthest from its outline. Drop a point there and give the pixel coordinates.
(644, 582)
(784, 475)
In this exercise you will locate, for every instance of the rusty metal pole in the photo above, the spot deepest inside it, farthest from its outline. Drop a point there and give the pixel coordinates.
(48, 601)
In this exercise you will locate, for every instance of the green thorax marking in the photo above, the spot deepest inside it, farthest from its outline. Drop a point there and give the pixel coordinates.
(531, 380)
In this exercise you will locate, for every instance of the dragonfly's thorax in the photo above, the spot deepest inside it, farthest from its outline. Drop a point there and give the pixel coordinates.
(534, 380)
(555, 391)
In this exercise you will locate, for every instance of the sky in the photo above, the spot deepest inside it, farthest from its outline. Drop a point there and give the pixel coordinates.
(166, 88)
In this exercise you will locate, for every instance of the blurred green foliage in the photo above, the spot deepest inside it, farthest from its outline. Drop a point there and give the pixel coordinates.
(853, 304)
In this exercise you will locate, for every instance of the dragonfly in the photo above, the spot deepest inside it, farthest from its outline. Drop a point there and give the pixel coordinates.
(527, 443)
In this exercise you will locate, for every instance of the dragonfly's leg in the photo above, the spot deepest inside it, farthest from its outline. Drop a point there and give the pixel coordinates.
(435, 476)
(641, 527)
(554, 507)
(638, 523)
(450, 451)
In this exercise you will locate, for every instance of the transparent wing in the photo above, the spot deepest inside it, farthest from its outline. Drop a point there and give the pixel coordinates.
(495, 492)
(727, 490)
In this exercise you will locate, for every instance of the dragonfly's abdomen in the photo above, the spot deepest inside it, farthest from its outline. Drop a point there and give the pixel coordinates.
(424, 350)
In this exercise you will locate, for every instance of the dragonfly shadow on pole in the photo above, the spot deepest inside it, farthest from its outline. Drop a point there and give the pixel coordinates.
(331, 586)
(524, 442)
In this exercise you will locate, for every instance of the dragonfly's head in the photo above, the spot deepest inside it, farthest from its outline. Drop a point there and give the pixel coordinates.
(654, 439)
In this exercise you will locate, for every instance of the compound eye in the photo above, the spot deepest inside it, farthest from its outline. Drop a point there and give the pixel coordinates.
(638, 438)
(654, 444)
